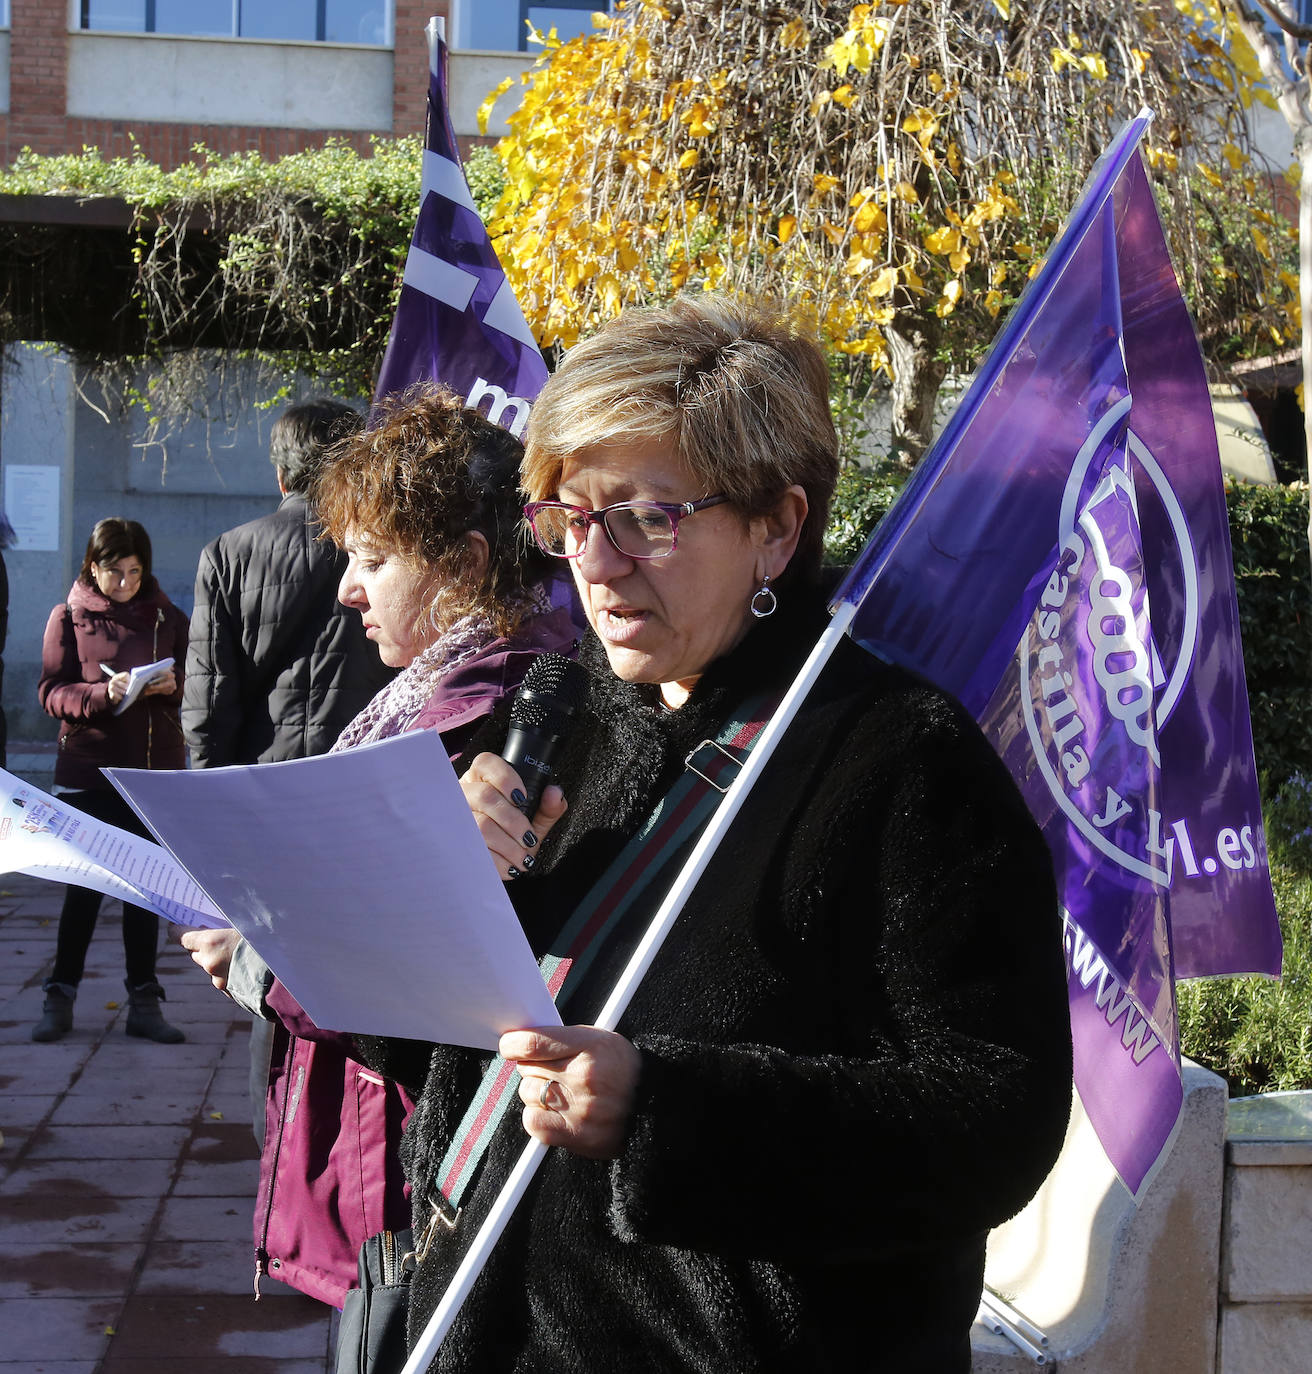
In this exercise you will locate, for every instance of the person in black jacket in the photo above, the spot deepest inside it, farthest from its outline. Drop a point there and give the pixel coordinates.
(851, 1056)
(276, 665)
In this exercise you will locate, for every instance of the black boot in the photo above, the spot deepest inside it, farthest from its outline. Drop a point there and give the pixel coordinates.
(57, 1012)
(144, 1018)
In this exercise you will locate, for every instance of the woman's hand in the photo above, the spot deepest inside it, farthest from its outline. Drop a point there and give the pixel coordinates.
(578, 1086)
(118, 688)
(491, 787)
(212, 950)
(163, 685)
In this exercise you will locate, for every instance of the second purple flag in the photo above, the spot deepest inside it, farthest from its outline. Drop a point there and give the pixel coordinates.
(457, 320)
(1061, 562)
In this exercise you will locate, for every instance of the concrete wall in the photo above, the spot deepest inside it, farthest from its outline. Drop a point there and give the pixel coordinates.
(473, 77)
(247, 84)
(1119, 1289)
(205, 477)
(1266, 1252)
(229, 81)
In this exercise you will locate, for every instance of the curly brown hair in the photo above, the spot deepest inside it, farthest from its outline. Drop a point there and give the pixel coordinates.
(425, 472)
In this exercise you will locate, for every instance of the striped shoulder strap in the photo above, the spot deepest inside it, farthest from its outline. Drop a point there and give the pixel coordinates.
(679, 817)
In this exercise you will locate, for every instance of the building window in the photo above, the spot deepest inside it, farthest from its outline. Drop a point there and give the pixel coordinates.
(502, 25)
(324, 21)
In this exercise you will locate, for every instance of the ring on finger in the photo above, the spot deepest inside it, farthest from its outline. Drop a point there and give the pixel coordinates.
(544, 1095)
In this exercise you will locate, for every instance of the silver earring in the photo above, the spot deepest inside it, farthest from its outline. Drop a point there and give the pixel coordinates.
(764, 600)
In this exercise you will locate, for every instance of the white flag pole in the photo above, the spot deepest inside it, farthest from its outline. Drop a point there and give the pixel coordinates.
(639, 962)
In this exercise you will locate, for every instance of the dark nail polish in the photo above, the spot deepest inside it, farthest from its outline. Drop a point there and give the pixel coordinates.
(518, 798)
(529, 861)
(512, 872)
(530, 839)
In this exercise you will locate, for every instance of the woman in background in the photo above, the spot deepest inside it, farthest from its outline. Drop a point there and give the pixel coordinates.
(116, 618)
(425, 502)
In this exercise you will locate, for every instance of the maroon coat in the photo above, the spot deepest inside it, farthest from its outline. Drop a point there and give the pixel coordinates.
(330, 1173)
(88, 630)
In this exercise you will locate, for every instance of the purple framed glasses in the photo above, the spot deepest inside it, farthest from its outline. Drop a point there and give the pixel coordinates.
(637, 529)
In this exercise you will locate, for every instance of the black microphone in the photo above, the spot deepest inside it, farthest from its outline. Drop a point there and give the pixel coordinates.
(552, 691)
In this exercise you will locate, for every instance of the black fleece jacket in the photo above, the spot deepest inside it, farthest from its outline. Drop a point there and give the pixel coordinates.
(855, 1045)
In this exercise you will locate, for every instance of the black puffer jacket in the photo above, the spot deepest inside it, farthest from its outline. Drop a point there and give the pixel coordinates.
(277, 667)
(855, 1043)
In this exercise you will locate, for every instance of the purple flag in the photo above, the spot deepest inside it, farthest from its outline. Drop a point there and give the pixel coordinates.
(1061, 562)
(457, 320)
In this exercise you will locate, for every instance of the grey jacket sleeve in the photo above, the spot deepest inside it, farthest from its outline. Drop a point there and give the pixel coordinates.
(249, 981)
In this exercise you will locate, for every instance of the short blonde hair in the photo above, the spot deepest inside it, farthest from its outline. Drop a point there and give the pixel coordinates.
(738, 390)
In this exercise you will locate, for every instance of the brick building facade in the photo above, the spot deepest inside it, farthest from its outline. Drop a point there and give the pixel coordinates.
(46, 54)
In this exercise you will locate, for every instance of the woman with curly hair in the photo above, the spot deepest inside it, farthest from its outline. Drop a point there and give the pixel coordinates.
(425, 502)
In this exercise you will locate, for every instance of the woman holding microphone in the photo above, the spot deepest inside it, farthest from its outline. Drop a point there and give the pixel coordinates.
(851, 1056)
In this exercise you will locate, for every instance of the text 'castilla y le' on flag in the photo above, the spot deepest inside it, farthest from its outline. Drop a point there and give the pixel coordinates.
(457, 320)
(1061, 562)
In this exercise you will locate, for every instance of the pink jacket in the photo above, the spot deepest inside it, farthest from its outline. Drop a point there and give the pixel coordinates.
(330, 1175)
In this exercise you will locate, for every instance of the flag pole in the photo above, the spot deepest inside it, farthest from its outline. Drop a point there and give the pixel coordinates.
(621, 995)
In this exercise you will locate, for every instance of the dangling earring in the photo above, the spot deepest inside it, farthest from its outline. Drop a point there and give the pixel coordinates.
(764, 600)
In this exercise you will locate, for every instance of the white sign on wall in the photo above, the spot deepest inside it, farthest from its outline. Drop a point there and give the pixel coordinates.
(32, 505)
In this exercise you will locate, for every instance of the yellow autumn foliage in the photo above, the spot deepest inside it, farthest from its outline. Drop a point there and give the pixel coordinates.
(874, 164)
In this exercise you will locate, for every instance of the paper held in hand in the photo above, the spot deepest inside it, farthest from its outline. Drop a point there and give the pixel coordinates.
(361, 879)
(42, 836)
(138, 680)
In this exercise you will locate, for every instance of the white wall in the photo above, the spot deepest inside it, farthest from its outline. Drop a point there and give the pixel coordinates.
(181, 80)
(211, 474)
(473, 76)
(229, 81)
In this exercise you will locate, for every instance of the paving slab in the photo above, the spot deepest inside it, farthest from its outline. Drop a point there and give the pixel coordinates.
(128, 1107)
(224, 1178)
(92, 1269)
(205, 1266)
(63, 1179)
(34, 1327)
(51, 1366)
(127, 1177)
(197, 1218)
(110, 1142)
(49, 1221)
(165, 1325)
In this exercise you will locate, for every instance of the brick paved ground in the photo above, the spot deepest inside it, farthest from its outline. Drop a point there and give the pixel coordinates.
(127, 1176)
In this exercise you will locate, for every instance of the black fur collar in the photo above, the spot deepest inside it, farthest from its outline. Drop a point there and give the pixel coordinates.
(628, 749)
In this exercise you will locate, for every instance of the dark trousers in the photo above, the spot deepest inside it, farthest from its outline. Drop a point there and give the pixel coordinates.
(77, 921)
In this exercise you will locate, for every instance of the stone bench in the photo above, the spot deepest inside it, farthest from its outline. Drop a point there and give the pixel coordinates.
(1266, 1239)
(1121, 1289)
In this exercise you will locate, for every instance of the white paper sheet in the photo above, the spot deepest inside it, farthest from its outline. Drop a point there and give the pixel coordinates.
(138, 680)
(42, 836)
(362, 881)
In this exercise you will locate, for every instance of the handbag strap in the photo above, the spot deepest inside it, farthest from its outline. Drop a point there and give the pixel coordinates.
(679, 816)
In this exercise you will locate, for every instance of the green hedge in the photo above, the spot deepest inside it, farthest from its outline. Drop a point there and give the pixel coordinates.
(1273, 580)
(1257, 1032)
